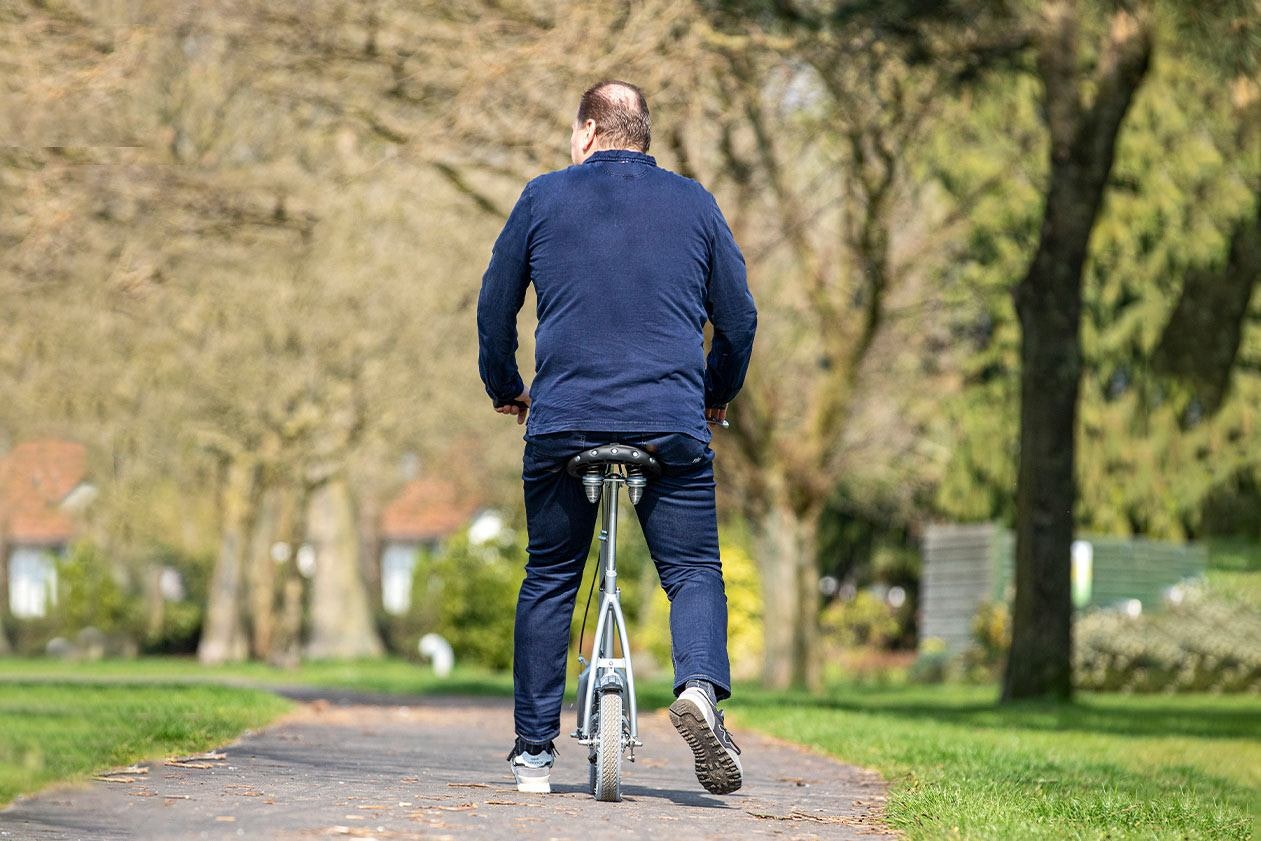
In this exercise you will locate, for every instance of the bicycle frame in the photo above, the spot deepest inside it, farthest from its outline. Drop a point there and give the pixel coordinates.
(606, 671)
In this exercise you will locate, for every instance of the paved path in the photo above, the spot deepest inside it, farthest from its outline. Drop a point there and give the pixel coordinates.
(364, 767)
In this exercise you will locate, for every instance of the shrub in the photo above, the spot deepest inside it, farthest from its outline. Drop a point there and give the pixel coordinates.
(863, 620)
(1204, 644)
(932, 664)
(466, 593)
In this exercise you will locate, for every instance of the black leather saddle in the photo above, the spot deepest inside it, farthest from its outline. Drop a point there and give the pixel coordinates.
(614, 454)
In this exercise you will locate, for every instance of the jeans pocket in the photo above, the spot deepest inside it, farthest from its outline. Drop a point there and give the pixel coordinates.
(549, 453)
(679, 451)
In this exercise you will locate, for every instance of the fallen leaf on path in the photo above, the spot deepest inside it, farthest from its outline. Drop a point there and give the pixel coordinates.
(122, 775)
(798, 815)
(225, 818)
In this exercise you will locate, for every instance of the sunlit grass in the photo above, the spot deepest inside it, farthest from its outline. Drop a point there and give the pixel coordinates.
(1106, 766)
(65, 731)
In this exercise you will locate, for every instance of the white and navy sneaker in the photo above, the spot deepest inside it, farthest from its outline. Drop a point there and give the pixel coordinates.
(532, 766)
(698, 718)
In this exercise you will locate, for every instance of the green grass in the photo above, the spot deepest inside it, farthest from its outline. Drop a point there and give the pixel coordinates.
(389, 676)
(959, 765)
(1106, 766)
(65, 731)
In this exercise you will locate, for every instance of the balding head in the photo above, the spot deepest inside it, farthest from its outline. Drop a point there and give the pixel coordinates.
(620, 113)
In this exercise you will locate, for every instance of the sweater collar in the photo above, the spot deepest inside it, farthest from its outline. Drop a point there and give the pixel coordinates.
(621, 156)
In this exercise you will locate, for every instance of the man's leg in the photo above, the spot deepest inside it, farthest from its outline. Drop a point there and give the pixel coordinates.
(680, 525)
(560, 522)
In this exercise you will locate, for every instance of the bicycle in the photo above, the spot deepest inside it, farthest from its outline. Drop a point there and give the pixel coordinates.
(607, 715)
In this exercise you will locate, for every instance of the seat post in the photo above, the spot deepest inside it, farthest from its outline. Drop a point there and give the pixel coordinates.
(609, 555)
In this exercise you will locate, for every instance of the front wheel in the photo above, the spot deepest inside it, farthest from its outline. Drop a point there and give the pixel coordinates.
(606, 771)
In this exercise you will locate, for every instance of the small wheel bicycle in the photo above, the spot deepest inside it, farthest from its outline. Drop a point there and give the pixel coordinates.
(607, 722)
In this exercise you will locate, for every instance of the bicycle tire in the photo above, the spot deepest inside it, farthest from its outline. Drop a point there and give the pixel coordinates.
(608, 765)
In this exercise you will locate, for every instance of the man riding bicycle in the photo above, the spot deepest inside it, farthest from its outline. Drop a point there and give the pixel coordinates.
(628, 262)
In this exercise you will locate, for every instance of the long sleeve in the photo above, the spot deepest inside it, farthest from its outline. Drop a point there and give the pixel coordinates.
(501, 297)
(732, 312)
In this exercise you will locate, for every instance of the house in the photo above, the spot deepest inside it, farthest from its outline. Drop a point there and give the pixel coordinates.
(42, 488)
(425, 513)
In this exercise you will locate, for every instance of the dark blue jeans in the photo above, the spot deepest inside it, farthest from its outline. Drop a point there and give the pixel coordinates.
(681, 528)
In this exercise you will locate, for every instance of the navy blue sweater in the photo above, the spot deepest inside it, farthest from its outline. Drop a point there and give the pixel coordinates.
(628, 261)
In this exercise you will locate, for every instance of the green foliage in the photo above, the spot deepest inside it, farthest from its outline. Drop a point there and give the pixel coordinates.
(1183, 177)
(91, 596)
(863, 620)
(932, 664)
(468, 594)
(1205, 643)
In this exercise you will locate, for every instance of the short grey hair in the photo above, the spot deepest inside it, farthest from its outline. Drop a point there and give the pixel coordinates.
(620, 111)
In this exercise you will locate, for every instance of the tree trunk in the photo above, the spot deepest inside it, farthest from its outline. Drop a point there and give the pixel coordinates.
(223, 637)
(341, 621)
(261, 574)
(787, 552)
(1202, 339)
(155, 604)
(1048, 302)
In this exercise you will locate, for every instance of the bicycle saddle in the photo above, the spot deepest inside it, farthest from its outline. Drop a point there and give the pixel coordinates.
(614, 454)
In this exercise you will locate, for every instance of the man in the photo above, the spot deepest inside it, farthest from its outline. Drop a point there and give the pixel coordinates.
(628, 261)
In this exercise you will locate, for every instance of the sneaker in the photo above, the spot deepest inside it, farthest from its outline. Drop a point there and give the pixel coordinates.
(532, 766)
(717, 756)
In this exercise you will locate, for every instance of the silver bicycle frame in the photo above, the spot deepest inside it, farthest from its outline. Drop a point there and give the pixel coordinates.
(604, 666)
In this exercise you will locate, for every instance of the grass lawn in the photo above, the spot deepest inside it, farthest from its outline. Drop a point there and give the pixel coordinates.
(1106, 766)
(959, 765)
(64, 731)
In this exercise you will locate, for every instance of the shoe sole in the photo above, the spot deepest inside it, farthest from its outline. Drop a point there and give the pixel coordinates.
(715, 768)
(541, 784)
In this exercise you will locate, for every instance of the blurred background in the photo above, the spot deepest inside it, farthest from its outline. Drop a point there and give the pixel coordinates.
(241, 244)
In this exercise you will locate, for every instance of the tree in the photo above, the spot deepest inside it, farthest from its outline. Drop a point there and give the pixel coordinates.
(1048, 303)
(1148, 451)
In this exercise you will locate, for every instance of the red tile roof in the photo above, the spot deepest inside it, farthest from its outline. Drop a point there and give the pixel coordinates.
(35, 476)
(426, 509)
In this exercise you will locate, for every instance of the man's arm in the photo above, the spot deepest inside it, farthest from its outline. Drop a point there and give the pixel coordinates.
(501, 297)
(732, 312)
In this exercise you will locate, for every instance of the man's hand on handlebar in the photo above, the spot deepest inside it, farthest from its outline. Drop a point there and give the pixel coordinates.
(717, 415)
(519, 406)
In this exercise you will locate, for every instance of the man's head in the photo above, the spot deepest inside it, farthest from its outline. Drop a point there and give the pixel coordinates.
(611, 115)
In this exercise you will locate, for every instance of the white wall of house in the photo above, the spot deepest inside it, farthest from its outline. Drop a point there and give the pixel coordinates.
(32, 581)
(398, 565)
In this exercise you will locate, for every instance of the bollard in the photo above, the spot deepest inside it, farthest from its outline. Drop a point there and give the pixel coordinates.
(438, 650)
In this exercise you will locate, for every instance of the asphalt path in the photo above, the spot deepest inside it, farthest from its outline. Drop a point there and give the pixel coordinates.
(359, 766)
